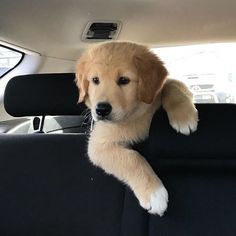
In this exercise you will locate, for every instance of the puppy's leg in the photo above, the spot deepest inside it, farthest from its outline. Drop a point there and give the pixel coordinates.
(177, 100)
(130, 167)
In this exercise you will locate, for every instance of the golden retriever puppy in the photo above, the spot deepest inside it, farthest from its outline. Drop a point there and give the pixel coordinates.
(124, 84)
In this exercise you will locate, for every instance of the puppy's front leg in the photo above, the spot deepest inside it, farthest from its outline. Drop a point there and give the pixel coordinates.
(130, 167)
(177, 100)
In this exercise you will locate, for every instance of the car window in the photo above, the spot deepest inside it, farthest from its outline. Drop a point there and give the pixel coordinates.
(208, 70)
(9, 58)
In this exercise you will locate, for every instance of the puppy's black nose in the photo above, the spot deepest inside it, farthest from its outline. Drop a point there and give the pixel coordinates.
(103, 109)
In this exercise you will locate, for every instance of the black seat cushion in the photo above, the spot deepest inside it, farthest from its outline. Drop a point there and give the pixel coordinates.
(212, 145)
(49, 187)
(199, 172)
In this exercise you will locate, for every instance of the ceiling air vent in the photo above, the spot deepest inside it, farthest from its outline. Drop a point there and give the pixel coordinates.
(99, 31)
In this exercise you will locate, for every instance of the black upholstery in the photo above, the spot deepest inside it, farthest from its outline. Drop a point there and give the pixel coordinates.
(214, 139)
(49, 187)
(199, 172)
(42, 94)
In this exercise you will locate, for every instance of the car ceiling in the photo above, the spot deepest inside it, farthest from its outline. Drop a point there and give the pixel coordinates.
(54, 27)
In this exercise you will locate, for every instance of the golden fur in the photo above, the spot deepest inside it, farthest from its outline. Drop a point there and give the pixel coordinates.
(133, 106)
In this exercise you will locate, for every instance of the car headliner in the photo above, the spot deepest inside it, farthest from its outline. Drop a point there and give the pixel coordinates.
(54, 28)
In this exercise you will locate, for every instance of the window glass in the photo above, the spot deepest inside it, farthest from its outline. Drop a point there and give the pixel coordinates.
(208, 70)
(9, 58)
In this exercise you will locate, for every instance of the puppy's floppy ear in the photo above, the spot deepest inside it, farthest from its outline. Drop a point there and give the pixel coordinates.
(81, 79)
(152, 74)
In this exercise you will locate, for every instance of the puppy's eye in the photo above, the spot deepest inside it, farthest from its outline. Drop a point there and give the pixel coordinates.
(96, 80)
(123, 80)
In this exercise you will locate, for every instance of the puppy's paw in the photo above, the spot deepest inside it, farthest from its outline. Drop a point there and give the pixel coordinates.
(184, 119)
(157, 202)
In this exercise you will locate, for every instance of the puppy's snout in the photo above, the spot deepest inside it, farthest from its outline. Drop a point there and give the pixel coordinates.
(103, 109)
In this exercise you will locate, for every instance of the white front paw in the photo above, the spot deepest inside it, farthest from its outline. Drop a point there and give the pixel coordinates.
(158, 201)
(184, 121)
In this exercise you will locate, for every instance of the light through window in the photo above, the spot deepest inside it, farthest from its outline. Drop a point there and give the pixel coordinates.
(208, 70)
(9, 58)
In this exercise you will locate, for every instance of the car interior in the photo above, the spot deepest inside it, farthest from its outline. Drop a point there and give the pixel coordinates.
(48, 186)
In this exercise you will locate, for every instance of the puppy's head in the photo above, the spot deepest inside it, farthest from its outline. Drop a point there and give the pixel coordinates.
(116, 79)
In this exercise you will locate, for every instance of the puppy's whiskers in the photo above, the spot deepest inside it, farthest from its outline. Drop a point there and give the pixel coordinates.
(87, 117)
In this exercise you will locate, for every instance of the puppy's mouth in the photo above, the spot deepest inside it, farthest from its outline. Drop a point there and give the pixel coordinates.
(109, 119)
(104, 118)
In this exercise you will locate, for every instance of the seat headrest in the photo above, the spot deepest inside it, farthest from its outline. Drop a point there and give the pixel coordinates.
(215, 137)
(42, 94)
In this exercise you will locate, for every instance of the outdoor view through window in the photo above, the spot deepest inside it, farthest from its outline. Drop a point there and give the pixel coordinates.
(8, 59)
(208, 70)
